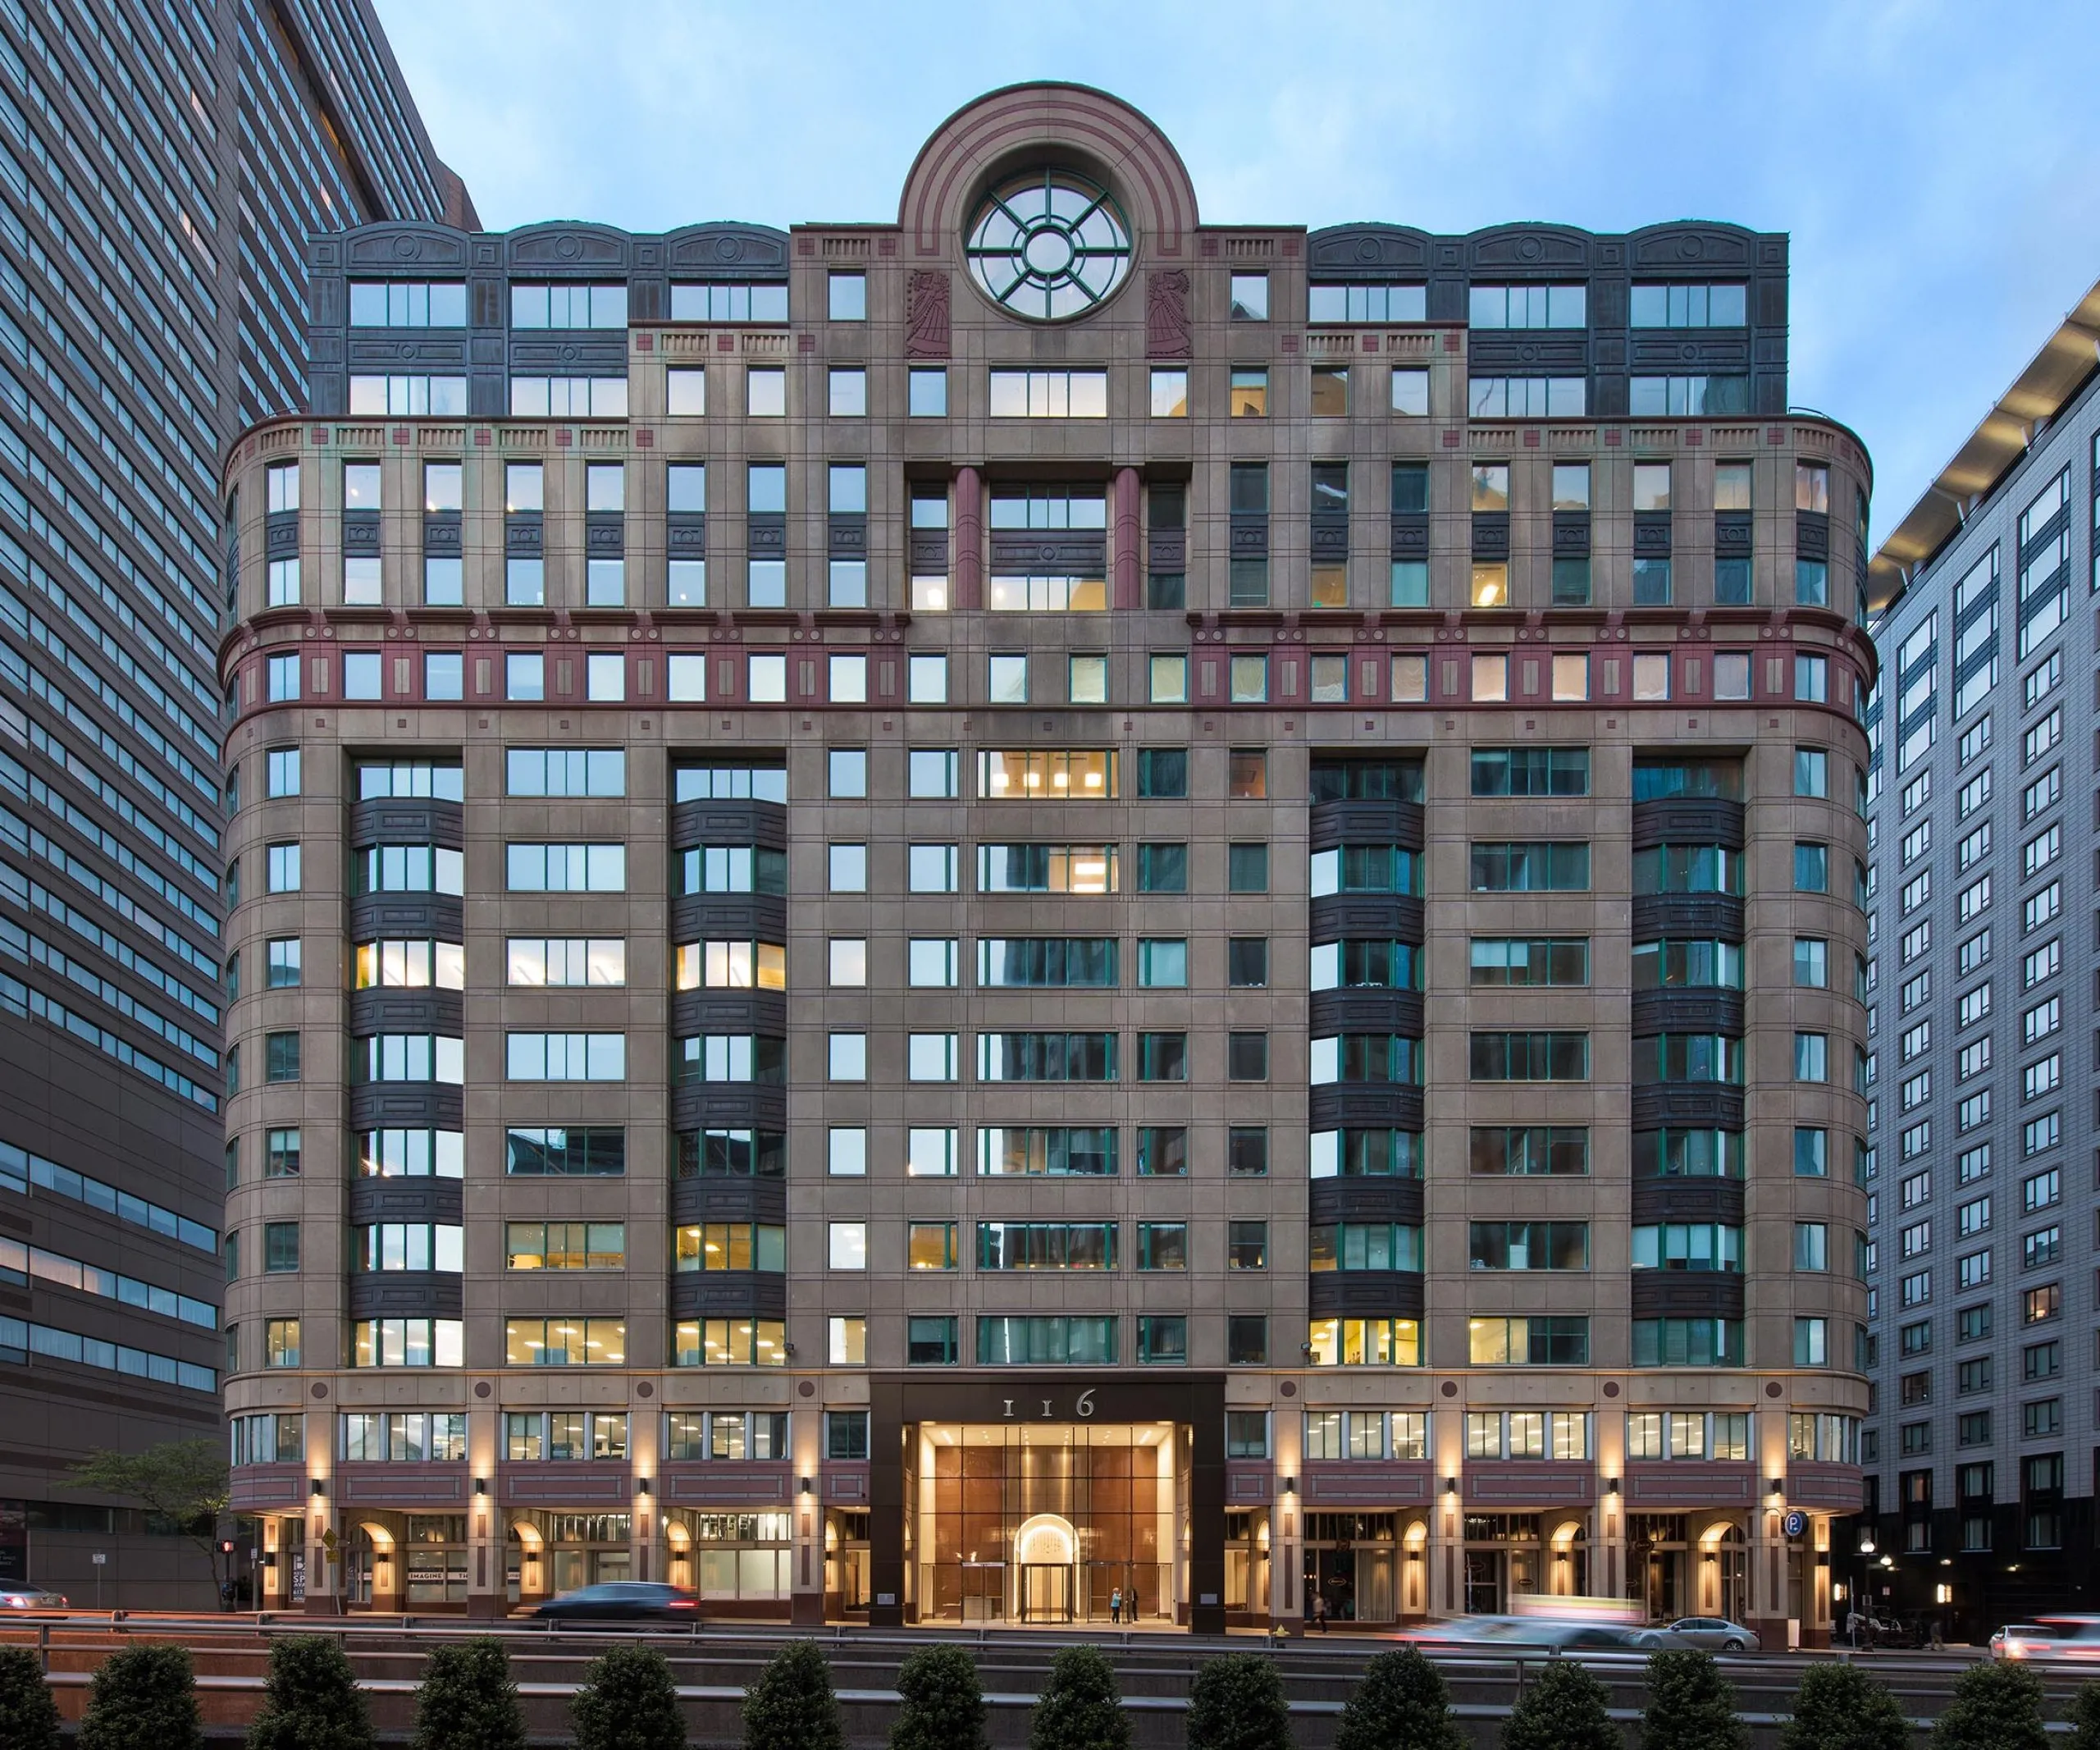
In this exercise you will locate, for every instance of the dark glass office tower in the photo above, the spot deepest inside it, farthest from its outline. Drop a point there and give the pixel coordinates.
(1986, 901)
(161, 169)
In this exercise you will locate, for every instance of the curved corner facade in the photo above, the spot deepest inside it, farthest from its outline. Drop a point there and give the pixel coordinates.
(1087, 903)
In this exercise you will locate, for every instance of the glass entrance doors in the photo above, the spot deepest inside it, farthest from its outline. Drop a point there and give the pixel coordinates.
(1048, 1523)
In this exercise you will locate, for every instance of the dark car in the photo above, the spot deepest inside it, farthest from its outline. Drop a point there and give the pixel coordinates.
(625, 1601)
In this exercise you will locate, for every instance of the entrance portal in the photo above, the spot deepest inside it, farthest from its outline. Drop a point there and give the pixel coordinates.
(1046, 1523)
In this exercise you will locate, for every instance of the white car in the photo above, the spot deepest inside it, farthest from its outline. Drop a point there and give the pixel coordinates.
(1717, 1634)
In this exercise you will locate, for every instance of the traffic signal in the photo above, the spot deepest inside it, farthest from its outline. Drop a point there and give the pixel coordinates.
(226, 1546)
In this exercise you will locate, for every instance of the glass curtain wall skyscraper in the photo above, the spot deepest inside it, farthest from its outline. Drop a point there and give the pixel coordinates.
(161, 168)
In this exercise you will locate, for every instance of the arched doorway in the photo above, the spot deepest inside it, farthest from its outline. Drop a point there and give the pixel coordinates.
(1045, 1553)
(1724, 1571)
(1568, 1572)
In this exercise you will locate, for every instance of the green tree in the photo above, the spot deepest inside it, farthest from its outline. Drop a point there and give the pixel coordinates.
(1080, 1707)
(1691, 1705)
(1566, 1709)
(2084, 1714)
(1401, 1703)
(468, 1701)
(144, 1697)
(790, 1707)
(1996, 1705)
(943, 1702)
(29, 1717)
(1236, 1703)
(628, 1701)
(310, 1700)
(183, 1482)
(1838, 1706)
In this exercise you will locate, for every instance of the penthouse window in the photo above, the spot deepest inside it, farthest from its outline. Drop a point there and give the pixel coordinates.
(409, 397)
(1528, 306)
(1049, 395)
(1689, 307)
(1381, 301)
(569, 397)
(408, 303)
(561, 306)
(1678, 397)
(1526, 397)
(729, 301)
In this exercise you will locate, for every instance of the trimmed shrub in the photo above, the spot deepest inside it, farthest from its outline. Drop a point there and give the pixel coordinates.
(1839, 1706)
(2084, 1714)
(310, 1700)
(1567, 1709)
(1691, 1705)
(1236, 1703)
(143, 1698)
(29, 1716)
(1080, 1707)
(790, 1707)
(1401, 1703)
(1996, 1705)
(468, 1701)
(628, 1701)
(943, 1702)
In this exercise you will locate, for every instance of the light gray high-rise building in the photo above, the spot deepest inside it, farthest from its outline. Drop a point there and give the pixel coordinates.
(161, 168)
(1987, 1181)
(940, 918)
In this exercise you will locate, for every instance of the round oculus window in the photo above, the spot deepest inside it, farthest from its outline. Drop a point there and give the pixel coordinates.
(1049, 245)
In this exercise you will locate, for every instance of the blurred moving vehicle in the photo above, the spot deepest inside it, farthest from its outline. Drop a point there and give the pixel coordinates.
(30, 1598)
(1574, 1636)
(2076, 1638)
(1716, 1634)
(2018, 1640)
(625, 1601)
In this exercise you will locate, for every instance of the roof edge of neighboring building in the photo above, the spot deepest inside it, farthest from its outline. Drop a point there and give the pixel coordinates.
(2051, 381)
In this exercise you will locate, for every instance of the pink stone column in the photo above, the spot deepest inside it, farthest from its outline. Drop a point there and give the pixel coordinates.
(967, 563)
(1127, 585)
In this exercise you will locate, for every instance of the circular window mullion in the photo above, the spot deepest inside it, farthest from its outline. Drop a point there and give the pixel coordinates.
(1091, 249)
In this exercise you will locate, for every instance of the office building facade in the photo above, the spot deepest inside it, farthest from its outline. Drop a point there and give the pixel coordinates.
(163, 169)
(1097, 904)
(1984, 1210)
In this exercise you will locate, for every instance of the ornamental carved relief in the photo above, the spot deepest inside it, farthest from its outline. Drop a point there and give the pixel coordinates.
(1167, 314)
(926, 315)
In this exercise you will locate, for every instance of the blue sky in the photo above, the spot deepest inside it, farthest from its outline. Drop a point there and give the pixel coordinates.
(1936, 164)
